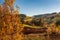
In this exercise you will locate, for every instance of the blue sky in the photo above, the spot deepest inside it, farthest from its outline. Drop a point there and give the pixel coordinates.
(35, 7)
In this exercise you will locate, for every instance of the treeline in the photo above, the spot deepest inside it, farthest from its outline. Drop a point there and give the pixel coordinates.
(41, 20)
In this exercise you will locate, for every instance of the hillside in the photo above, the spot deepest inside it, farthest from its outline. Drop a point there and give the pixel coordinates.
(40, 19)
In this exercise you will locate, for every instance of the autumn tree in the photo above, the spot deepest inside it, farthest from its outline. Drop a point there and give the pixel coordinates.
(10, 25)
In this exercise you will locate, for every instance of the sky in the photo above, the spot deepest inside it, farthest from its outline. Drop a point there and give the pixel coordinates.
(36, 7)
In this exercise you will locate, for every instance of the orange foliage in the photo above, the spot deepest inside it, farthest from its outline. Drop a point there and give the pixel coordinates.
(10, 25)
(9, 2)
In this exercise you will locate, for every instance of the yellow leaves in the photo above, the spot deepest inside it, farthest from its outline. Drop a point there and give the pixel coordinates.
(11, 25)
(6, 10)
(15, 12)
(49, 30)
(17, 37)
(56, 29)
(6, 37)
(0, 9)
(9, 2)
(4, 24)
(9, 22)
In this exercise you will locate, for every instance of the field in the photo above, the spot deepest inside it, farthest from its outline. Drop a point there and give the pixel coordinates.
(41, 37)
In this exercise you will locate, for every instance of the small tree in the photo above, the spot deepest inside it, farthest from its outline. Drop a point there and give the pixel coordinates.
(10, 25)
(57, 23)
